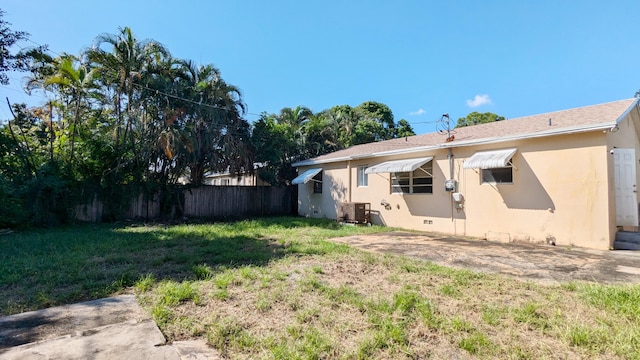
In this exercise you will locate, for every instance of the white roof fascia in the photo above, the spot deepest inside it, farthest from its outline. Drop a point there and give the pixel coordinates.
(624, 114)
(317, 162)
(563, 131)
(492, 140)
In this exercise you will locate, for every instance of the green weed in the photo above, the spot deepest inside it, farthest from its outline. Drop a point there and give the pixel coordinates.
(171, 293)
(161, 314)
(475, 343)
(203, 272)
(460, 325)
(223, 280)
(492, 315)
(450, 290)
(227, 334)
(622, 299)
(530, 314)
(145, 283)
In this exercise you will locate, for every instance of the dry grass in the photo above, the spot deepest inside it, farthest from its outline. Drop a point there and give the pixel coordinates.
(357, 305)
(277, 289)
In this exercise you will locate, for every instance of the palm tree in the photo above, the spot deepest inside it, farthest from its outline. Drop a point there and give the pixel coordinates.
(214, 134)
(122, 68)
(72, 81)
(345, 119)
(321, 136)
(295, 119)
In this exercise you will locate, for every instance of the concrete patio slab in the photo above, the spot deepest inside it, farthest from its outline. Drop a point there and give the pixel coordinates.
(111, 328)
(541, 263)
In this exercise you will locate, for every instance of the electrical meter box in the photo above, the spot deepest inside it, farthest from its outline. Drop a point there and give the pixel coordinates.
(450, 185)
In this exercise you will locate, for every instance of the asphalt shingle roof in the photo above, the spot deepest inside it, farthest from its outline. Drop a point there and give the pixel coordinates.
(585, 118)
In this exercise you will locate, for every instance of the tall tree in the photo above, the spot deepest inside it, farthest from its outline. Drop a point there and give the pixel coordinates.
(121, 67)
(345, 119)
(214, 134)
(475, 118)
(275, 148)
(10, 61)
(321, 134)
(382, 126)
(71, 80)
(404, 129)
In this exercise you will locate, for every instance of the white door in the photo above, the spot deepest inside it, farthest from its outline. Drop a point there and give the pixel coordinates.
(625, 177)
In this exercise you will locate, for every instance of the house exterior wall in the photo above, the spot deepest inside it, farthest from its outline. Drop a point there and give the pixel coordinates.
(627, 136)
(335, 181)
(560, 193)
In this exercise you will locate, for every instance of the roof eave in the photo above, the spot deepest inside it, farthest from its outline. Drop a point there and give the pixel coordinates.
(633, 105)
(563, 131)
(316, 162)
(483, 141)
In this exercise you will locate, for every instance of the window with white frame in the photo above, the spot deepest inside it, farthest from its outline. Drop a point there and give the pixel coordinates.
(363, 178)
(419, 181)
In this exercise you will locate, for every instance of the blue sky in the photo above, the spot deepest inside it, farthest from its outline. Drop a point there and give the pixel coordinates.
(421, 58)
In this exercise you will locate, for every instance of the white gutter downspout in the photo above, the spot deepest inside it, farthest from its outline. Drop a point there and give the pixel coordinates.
(349, 187)
(450, 155)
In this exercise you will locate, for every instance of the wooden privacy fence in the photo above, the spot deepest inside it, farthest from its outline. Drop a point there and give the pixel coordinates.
(232, 201)
(203, 202)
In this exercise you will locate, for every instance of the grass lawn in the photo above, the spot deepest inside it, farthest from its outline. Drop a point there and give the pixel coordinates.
(275, 288)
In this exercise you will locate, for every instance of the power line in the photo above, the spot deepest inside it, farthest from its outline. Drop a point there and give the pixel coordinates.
(424, 122)
(199, 103)
(12, 89)
(190, 100)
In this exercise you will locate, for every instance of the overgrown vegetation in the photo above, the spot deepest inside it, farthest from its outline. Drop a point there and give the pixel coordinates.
(276, 288)
(124, 114)
(125, 117)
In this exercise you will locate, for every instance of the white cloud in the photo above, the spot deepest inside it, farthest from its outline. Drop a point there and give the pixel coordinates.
(480, 99)
(419, 112)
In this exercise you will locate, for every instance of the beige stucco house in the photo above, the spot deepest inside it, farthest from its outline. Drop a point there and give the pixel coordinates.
(567, 177)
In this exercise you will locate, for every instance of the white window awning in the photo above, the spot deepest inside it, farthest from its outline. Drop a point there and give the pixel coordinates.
(306, 176)
(489, 159)
(398, 166)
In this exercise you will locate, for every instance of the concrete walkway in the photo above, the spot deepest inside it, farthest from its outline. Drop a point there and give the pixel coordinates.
(541, 263)
(111, 328)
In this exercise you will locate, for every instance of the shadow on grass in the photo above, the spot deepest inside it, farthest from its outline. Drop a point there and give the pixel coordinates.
(44, 268)
(50, 267)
